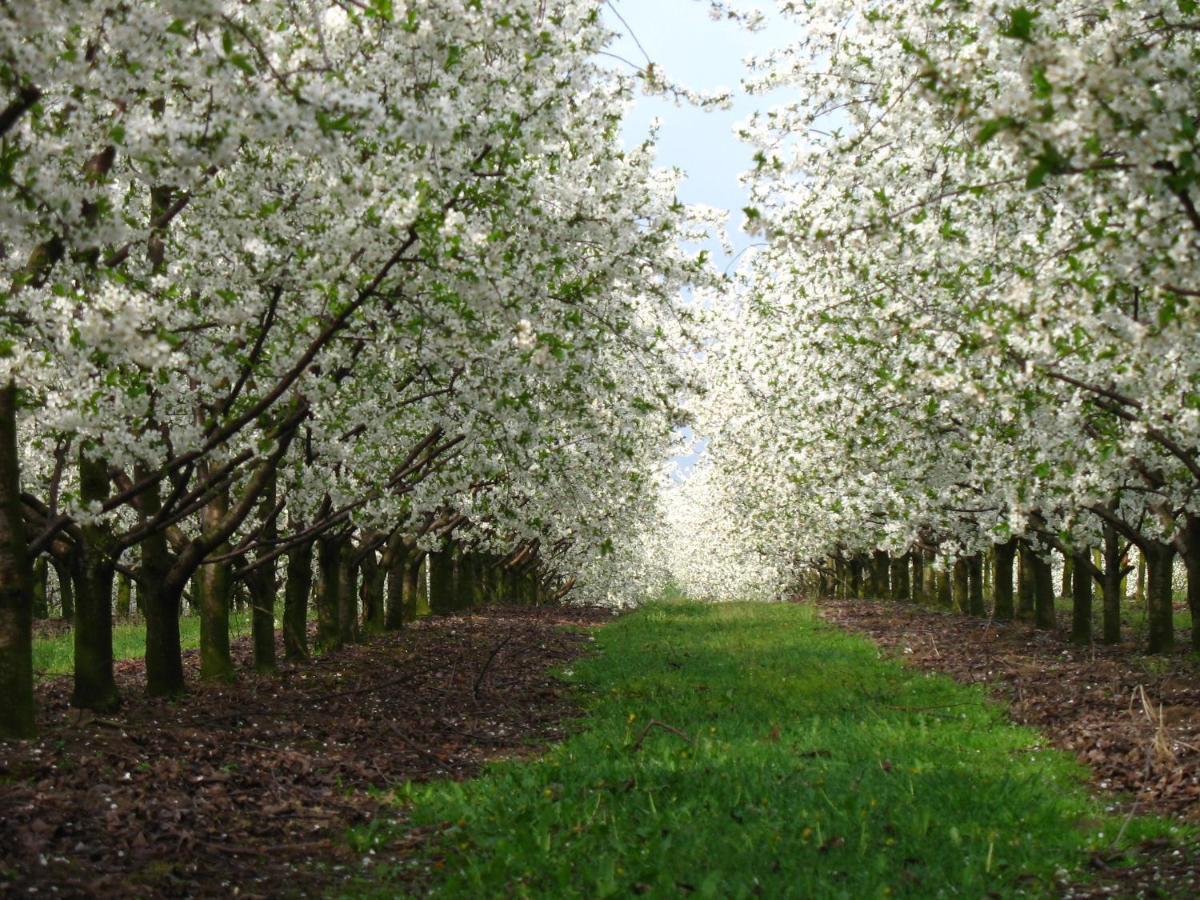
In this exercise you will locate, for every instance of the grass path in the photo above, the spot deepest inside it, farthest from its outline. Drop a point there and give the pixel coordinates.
(797, 764)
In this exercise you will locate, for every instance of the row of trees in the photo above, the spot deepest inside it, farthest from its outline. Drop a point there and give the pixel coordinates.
(972, 326)
(345, 277)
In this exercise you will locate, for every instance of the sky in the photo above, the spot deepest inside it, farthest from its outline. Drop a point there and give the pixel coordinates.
(693, 50)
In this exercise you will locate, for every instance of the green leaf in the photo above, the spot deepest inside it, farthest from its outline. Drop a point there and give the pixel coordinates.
(1042, 89)
(1038, 174)
(993, 127)
(1020, 23)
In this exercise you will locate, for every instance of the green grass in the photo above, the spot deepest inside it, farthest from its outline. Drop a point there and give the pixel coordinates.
(812, 768)
(56, 655)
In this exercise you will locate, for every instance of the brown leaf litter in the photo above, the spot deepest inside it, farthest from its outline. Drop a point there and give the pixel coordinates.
(250, 789)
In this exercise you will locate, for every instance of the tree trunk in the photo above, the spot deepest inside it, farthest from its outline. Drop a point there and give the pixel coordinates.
(124, 595)
(41, 578)
(416, 597)
(394, 614)
(262, 590)
(536, 587)
(1190, 540)
(1043, 591)
(1112, 585)
(1025, 589)
(479, 580)
(962, 585)
(1081, 599)
(66, 589)
(260, 585)
(1139, 595)
(879, 575)
(94, 685)
(347, 593)
(1067, 582)
(215, 581)
(441, 582)
(975, 605)
(1160, 610)
(1002, 579)
(856, 577)
(328, 572)
(295, 600)
(373, 578)
(841, 578)
(16, 589)
(919, 594)
(945, 591)
(160, 606)
(989, 570)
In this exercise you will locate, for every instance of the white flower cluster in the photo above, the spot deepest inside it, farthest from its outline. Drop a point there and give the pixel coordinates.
(977, 316)
(392, 257)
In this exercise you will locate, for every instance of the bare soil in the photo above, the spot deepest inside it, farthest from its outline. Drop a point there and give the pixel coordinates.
(252, 788)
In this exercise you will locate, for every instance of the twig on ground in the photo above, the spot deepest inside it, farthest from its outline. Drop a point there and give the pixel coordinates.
(487, 665)
(655, 723)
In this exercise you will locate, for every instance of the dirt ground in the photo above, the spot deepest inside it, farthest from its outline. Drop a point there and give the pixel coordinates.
(1133, 720)
(251, 789)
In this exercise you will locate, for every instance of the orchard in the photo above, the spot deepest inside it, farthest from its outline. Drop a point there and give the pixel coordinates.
(351, 350)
